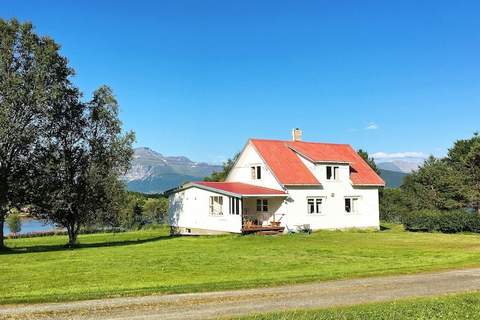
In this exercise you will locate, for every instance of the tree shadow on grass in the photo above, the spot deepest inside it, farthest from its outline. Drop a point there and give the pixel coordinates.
(64, 247)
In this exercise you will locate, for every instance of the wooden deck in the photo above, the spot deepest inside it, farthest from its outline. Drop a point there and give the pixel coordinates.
(265, 230)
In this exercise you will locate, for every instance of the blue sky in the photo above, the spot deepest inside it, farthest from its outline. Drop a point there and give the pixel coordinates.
(198, 78)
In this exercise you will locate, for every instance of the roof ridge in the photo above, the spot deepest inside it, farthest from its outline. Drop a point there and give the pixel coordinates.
(290, 141)
(236, 187)
(327, 143)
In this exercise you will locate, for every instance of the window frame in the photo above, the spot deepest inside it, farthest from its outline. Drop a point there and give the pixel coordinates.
(234, 206)
(334, 173)
(315, 200)
(256, 172)
(213, 204)
(354, 200)
(262, 205)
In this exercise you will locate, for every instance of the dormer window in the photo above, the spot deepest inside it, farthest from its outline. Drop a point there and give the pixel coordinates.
(332, 173)
(256, 172)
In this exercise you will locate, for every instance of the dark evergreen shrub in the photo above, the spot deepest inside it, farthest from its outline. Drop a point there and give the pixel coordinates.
(442, 221)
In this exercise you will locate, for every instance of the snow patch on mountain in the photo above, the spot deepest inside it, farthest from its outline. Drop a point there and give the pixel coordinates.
(153, 172)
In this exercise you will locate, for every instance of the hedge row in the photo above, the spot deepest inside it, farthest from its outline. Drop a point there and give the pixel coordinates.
(443, 221)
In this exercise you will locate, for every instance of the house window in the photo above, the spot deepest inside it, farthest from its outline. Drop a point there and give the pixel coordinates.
(216, 205)
(314, 205)
(256, 172)
(234, 204)
(332, 173)
(351, 205)
(262, 205)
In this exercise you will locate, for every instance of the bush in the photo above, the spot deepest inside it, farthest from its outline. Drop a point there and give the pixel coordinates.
(442, 221)
(392, 205)
(155, 210)
(14, 222)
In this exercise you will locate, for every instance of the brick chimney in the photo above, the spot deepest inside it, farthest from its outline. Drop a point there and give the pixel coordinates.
(297, 134)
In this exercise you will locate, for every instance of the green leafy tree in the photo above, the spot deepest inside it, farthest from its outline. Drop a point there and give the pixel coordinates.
(155, 209)
(131, 213)
(371, 162)
(392, 205)
(227, 166)
(14, 222)
(464, 158)
(435, 185)
(84, 157)
(32, 75)
(449, 183)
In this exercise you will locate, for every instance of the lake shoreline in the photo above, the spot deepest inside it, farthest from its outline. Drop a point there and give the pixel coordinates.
(31, 225)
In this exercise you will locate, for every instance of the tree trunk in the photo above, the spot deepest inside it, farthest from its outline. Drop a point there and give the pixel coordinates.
(72, 235)
(2, 223)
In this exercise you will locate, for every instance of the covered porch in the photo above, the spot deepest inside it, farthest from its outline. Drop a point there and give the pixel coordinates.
(260, 208)
(262, 214)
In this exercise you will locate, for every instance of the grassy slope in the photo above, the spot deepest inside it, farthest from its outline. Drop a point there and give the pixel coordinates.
(464, 306)
(39, 269)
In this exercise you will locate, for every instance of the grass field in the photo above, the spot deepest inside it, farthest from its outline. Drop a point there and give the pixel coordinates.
(454, 307)
(134, 263)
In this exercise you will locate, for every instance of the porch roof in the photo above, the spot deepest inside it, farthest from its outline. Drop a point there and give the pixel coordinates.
(239, 189)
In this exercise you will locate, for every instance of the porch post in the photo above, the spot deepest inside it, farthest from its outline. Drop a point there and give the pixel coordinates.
(241, 212)
(273, 217)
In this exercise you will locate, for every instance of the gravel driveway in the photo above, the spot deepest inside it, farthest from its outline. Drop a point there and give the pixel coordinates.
(240, 302)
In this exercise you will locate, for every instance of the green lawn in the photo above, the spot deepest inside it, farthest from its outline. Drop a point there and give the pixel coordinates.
(454, 307)
(134, 263)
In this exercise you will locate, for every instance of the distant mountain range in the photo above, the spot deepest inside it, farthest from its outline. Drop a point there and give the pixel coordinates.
(393, 179)
(153, 172)
(393, 172)
(400, 165)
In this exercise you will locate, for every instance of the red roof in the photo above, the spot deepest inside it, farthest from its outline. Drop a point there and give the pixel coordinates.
(239, 188)
(285, 164)
(282, 159)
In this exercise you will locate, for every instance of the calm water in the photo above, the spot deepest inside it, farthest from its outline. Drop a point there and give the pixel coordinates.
(31, 225)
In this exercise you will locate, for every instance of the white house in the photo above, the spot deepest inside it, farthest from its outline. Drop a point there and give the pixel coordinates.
(281, 185)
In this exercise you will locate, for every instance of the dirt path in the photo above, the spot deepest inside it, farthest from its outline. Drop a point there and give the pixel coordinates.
(241, 302)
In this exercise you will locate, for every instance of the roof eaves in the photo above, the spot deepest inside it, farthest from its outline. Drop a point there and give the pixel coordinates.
(268, 195)
(212, 189)
(333, 162)
(368, 184)
(178, 188)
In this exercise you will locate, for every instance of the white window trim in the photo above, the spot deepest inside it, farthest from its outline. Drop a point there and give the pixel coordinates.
(356, 209)
(322, 213)
(254, 169)
(234, 206)
(211, 206)
(335, 173)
